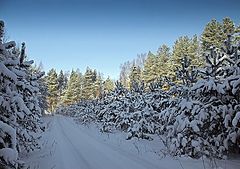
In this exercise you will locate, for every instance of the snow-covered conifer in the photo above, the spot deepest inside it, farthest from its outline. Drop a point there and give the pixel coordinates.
(19, 107)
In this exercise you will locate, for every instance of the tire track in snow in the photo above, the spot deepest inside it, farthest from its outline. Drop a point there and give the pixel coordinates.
(123, 152)
(80, 159)
(107, 153)
(93, 151)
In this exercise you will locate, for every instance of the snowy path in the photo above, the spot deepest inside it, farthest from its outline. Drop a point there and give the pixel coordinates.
(67, 145)
(78, 150)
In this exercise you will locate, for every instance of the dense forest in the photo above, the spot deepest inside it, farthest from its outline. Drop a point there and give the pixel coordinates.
(67, 88)
(188, 94)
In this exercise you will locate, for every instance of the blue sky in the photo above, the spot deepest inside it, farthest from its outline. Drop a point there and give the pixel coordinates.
(102, 34)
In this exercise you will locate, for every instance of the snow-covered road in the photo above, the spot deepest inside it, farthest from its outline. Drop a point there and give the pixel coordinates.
(78, 150)
(67, 145)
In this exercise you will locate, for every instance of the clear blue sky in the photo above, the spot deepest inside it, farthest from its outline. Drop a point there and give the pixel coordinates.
(103, 34)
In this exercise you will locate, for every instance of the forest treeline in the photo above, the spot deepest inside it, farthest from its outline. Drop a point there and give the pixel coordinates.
(65, 89)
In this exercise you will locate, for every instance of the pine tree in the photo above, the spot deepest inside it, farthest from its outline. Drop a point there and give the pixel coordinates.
(228, 27)
(61, 83)
(195, 52)
(8, 140)
(212, 35)
(189, 48)
(126, 69)
(52, 83)
(20, 113)
(237, 31)
(149, 70)
(30, 92)
(77, 87)
(68, 93)
(108, 85)
(94, 75)
(43, 90)
(180, 50)
(96, 83)
(98, 89)
(203, 119)
(73, 92)
(215, 33)
(163, 61)
(43, 94)
(88, 84)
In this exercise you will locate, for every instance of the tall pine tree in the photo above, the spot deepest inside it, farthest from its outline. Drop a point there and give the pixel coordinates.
(189, 48)
(163, 61)
(73, 92)
(61, 83)
(52, 83)
(215, 33)
(149, 70)
(88, 84)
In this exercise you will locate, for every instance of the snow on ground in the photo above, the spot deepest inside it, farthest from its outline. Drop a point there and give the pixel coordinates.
(67, 145)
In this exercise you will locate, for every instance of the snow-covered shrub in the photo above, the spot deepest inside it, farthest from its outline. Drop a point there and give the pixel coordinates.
(205, 121)
(158, 99)
(145, 107)
(84, 111)
(134, 112)
(218, 92)
(129, 111)
(25, 102)
(115, 110)
(175, 117)
(43, 91)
